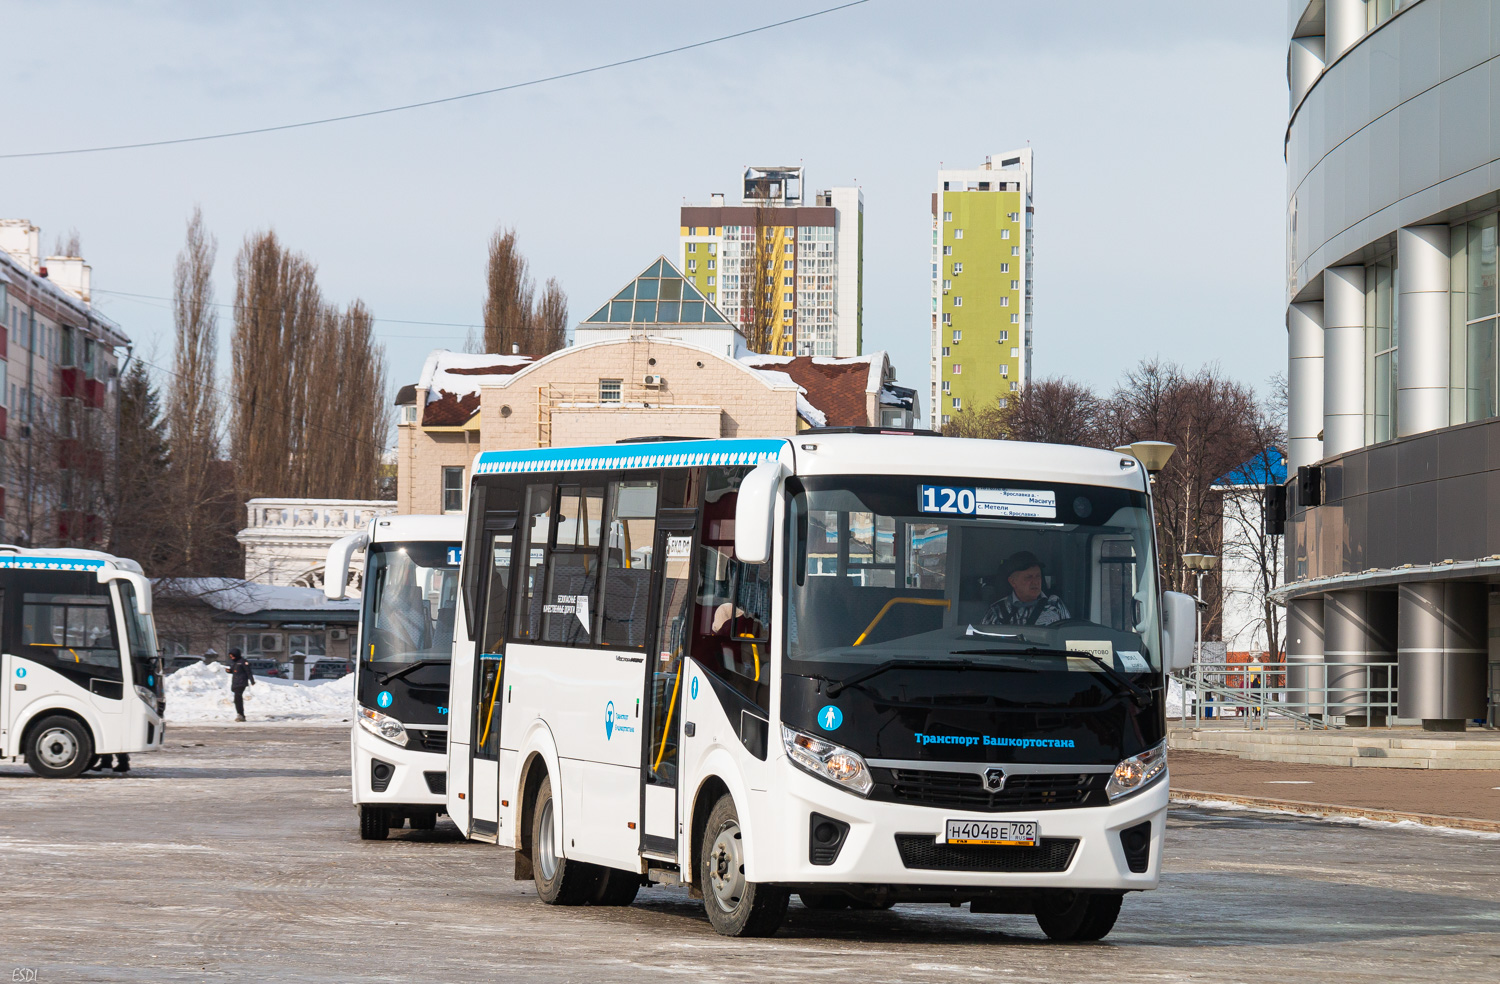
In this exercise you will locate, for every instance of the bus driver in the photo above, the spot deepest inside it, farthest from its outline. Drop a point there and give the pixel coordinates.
(1026, 604)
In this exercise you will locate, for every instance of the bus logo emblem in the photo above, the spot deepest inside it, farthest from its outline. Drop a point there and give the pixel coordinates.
(384, 699)
(830, 718)
(994, 780)
(609, 720)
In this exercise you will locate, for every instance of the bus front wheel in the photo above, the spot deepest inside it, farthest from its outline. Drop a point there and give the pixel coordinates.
(59, 748)
(1076, 918)
(374, 823)
(735, 905)
(558, 880)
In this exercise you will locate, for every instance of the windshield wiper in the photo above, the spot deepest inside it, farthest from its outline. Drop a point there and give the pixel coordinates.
(1123, 684)
(396, 674)
(914, 664)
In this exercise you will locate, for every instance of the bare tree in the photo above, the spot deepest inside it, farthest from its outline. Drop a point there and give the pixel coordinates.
(508, 298)
(1251, 552)
(551, 318)
(69, 245)
(193, 403)
(1051, 411)
(758, 285)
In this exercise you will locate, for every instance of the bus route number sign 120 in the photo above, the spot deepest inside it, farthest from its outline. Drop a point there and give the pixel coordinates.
(1018, 503)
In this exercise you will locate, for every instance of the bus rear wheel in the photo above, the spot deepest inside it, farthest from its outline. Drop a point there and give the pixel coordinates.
(59, 748)
(558, 880)
(735, 905)
(374, 823)
(1079, 917)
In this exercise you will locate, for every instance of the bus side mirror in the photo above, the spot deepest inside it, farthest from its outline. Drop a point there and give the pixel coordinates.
(1179, 618)
(754, 511)
(336, 567)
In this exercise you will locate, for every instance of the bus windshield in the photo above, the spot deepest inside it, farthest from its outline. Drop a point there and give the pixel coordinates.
(140, 637)
(963, 571)
(411, 594)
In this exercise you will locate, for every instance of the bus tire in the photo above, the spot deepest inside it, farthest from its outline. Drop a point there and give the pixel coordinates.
(616, 887)
(59, 747)
(374, 823)
(735, 906)
(423, 820)
(558, 881)
(1079, 917)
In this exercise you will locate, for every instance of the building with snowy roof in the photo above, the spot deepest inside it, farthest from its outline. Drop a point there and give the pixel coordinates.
(627, 377)
(293, 625)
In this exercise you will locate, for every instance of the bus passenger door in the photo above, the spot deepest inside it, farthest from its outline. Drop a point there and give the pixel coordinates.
(664, 697)
(489, 649)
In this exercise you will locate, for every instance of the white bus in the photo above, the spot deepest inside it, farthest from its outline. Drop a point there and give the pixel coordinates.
(81, 671)
(398, 743)
(812, 666)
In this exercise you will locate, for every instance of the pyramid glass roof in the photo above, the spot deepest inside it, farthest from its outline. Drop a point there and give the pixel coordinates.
(659, 296)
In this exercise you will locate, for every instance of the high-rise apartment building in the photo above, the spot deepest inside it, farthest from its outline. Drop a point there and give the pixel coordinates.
(788, 273)
(981, 284)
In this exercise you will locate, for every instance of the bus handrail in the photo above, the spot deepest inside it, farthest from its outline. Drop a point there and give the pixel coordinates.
(939, 602)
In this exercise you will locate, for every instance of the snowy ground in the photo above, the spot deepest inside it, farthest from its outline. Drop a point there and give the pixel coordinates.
(200, 695)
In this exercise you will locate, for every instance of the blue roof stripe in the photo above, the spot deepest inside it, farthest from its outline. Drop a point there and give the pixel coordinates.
(51, 563)
(660, 454)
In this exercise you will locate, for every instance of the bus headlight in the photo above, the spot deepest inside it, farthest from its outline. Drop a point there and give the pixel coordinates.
(382, 726)
(1137, 772)
(147, 695)
(828, 761)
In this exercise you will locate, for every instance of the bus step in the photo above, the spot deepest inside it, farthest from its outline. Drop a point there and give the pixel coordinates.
(664, 876)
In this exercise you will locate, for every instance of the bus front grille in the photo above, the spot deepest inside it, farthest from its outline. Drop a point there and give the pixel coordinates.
(966, 791)
(919, 851)
(428, 740)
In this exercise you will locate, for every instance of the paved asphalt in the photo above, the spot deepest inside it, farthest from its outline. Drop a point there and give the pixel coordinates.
(233, 855)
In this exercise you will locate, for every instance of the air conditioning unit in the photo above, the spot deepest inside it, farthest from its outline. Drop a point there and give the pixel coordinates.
(270, 643)
(338, 635)
(653, 380)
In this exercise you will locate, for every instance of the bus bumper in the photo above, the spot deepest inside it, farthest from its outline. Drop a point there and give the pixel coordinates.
(409, 777)
(871, 855)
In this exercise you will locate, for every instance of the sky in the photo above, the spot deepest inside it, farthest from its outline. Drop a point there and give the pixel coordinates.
(1157, 129)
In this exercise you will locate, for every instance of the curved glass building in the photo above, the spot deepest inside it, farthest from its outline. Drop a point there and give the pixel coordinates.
(1393, 323)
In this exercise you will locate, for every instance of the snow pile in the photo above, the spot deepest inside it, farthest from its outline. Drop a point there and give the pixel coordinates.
(233, 594)
(437, 377)
(1175, 695)
(200, 694)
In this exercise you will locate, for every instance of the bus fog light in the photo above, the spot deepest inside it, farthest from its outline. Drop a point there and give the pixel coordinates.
(382, 726)
(828, 761)
(1137, 772)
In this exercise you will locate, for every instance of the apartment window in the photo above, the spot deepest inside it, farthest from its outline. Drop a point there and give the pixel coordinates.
(1013, 216)
(947, 318)
(453, 488)
(946, 384)
(958, 234)
(788, 281)
(711, 279)
(945, 351)
(1015, 285)
(1015, 251)
(610, 390)
(1004, 370)
(1004, 233)
(947, 216)
(713, 249)
(946, 418)
(1005, 268)
(692, 247)
(958, 335)
(692, 266)
(947, 284)
(1005, 302)
(958, 403)
(1004, 403)
(409, 413)
(1015, 319)
(958, 302)
(710, 297)
(789, 248)
(947, 250)
(1014, 386)
(1015, 351)
(958, 267)
(958, 369)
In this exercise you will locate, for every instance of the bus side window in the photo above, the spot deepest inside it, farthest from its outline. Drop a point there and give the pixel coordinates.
(630, 542)
(71, 632)
(536, 531)
(573, 567)
(497, 591)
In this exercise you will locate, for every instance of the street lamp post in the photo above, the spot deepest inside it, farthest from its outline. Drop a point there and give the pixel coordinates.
(1201, 565)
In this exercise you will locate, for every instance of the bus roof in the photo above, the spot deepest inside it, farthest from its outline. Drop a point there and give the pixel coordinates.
(62, 559)
(409, 527)
(841, 454)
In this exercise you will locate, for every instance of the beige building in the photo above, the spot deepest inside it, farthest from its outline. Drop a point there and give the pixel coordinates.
(635, 381)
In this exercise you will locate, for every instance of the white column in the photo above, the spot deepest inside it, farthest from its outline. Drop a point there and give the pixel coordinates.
(1343, 359)
(1345, 25)
(1422, 347)
(1304, 384)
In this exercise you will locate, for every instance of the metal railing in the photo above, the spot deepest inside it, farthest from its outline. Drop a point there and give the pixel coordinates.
(1316, 695)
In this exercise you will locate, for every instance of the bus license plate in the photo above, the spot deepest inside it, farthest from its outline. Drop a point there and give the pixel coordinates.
(1011, 833)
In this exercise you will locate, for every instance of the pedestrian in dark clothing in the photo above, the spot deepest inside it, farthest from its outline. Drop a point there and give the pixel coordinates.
(240, 677)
